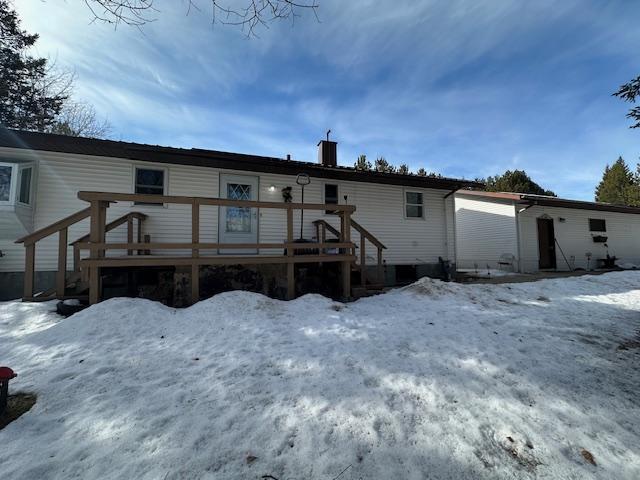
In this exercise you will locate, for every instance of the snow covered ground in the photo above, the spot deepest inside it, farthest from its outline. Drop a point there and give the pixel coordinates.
(435, 380)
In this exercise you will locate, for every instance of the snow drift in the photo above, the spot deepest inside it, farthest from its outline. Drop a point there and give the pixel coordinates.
(436, 380)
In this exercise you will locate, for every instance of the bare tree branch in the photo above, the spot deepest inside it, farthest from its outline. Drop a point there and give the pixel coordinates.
(129, 12)
(246, 14)
(78, 119)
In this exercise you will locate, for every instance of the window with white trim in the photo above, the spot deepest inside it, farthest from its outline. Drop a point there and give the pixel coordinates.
(413, 204)
(149, 181)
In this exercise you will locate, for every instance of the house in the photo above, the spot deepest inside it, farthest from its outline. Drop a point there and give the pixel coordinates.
(81, 207)
(527, 233)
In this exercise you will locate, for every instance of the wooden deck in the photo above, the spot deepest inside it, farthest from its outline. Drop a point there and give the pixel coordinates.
(138, 252)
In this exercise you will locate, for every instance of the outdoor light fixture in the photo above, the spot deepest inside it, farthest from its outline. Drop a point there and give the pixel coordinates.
(302, 179)
(272, 188)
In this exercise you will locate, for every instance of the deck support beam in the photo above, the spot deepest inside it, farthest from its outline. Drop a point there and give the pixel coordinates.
(61, 274)
(363, 262)
(345, 234)
(129, 233)
(291, 268)
(96, 236)
(29, 269)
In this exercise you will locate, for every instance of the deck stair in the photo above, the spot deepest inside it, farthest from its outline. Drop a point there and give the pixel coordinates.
(362, 283)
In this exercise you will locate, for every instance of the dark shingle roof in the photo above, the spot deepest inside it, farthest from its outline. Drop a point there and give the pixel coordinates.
(545, 200)
(212, 158)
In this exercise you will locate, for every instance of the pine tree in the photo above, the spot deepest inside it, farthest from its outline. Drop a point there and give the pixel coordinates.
(629, 92)
(362, 164)
(29, 99)
(618, 185)
(633, 198)
(515, 181)
(423, 173)
(403, 169)
(382, 165)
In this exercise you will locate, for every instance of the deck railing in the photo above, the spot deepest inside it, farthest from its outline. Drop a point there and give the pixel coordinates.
(322, 227)
(61, 227)
(293, 252)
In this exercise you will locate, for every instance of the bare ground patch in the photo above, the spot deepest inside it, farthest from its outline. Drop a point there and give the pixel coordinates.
(17, 405)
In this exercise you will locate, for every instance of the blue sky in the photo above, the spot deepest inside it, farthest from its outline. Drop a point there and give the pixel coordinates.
(465, 88)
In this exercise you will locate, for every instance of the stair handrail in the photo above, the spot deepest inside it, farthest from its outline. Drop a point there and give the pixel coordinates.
(322, 226)
(367, 234)
(328, 226)
(127, 217)
(115, 223)
(44, 232)
(61, 227)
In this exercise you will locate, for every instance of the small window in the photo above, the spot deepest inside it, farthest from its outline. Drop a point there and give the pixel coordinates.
(24, 196)
(330, 196)
(149, 182)
(5, 182)
(414, 207)
(597, 225)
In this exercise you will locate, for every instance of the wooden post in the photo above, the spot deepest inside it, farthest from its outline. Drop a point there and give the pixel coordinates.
(96, 235)
(291, 281)
(323, 237)
(147, 239)
(61, 275)
(76, 257)
(129, 233)
(195, 253)
(29, 270)
(363, 262)
(345, 233)
(380, 269)
(139, 235)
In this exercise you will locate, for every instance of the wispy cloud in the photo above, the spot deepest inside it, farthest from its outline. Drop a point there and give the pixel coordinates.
(463, 87)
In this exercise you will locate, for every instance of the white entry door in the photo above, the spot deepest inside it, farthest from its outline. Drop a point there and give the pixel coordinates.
(238, 224)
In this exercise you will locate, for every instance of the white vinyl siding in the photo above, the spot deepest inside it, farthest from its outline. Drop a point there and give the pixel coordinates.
(575, 239)
(379, 208)
(484, 232)
(487, 228)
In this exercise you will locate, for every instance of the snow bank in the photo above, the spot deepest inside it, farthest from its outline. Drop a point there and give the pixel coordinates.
(435, 380)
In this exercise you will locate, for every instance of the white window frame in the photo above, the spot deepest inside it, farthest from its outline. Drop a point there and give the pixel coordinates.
(405, 204)
(12, 184)
(165, 183)
(21, 168)
(324, 200)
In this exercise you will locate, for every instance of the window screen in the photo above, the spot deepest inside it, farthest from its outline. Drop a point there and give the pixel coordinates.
(25, 186)
(413, 205)
(149, 182)
(597, 225)
(330, 195)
